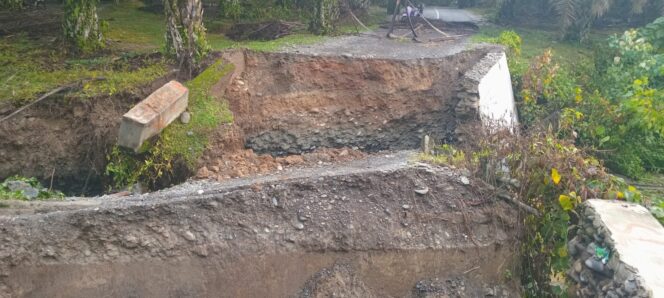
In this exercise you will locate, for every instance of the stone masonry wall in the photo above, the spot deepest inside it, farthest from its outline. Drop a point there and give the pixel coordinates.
(617, 251)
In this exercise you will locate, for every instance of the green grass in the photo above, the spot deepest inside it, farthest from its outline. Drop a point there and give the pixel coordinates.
(189, 140)
(535, 41)
(219, 42)
(652, 187)
(32, 68)
(131, 28)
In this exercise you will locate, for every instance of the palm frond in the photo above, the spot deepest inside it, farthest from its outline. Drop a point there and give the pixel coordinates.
(600, 7)
(638, 6)
(567, 11)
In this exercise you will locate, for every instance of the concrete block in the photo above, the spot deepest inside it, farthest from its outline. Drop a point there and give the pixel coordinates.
(149, 117)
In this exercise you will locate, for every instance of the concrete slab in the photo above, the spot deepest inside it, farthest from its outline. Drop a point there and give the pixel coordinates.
(153, 114)
(638, 238)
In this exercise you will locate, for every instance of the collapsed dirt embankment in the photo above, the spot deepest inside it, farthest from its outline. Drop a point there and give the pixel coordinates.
(65, 140)
(389, 227)
(289, 104)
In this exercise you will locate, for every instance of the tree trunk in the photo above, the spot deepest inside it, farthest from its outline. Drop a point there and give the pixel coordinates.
(325, 13)
(185, 35)
(81, 25)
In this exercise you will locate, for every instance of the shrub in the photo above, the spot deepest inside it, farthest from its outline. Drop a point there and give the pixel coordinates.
(552, 177)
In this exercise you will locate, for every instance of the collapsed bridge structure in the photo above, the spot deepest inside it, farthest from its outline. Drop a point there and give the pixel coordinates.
(382, 226)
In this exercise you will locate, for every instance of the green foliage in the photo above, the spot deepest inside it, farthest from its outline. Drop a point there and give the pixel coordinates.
(43, 194)
(619, 111)
(81, 25)
(575, 18)
(11, 4)
(179, 143)
(250, 10)
(554, 177)
(654, 33)
(512, 41)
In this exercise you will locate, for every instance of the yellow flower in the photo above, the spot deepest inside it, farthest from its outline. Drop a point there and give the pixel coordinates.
(566, 202)
(555, 176)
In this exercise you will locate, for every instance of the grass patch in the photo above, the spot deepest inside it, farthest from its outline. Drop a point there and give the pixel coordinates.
(26, 189)
(133, 28)
(33, 68)
(652, 186)
(220, 42)
(189, 140)
(535, 41)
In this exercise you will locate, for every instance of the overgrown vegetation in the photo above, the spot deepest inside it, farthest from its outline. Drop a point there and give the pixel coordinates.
(179, 144)
(600, 106)
(552, 176)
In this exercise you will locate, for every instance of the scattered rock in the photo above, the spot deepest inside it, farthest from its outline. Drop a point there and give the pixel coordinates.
(189, 236)
(578, 266)
(464, 180)
(422, 191)
(406, 206)
(185, 117)
(203, 173)
(298, 225)
(130, 241)
(25, 188)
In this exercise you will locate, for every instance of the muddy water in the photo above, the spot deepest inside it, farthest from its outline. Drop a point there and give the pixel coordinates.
(387, 274)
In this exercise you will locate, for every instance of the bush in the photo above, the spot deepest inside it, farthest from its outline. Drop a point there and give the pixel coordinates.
(619, 113)
(550, 176)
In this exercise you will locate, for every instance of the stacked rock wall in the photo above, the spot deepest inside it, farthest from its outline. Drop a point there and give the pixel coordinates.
(614, 252)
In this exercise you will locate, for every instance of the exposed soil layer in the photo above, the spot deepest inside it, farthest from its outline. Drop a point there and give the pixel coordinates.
(65, 138)
(289, 104)
(265, 237)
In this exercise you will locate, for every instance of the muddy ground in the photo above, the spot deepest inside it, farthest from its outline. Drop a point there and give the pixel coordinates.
(391, 222)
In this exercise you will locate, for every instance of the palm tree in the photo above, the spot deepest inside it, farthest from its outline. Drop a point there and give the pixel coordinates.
(577, 16)
(81, 25)
(185, 35)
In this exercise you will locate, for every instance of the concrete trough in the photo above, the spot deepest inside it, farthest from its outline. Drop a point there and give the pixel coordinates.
(153, 114)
